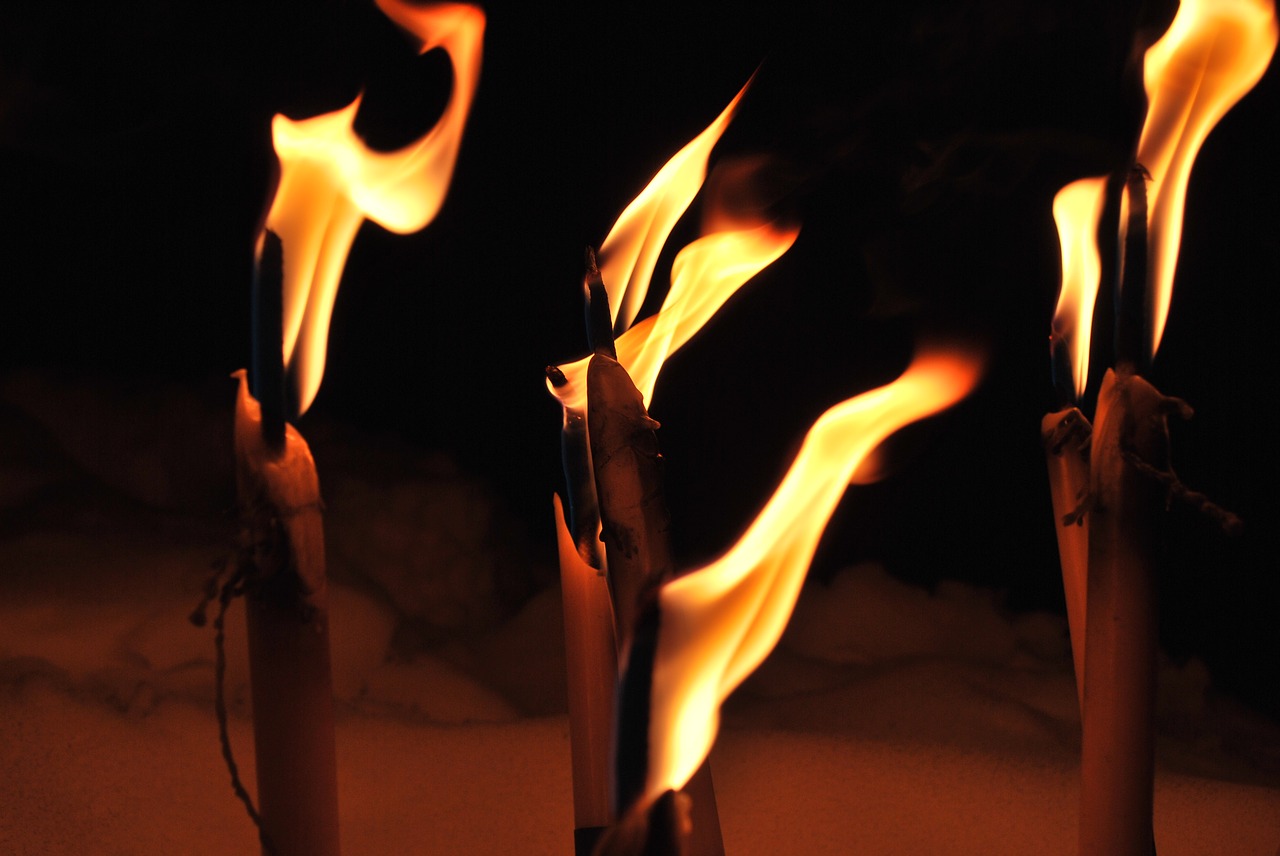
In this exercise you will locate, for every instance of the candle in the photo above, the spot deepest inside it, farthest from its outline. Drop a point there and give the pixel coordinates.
(591, 664)
(1117, 755)
(1066, 435)
(1211, 55)
(635, 523)
(628, 474)
(329, 183)
(591, 651)
(633, 513)
(1077, 211)
(287, 616)
(604, 415)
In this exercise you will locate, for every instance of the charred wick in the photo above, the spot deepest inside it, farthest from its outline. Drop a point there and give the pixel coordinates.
(1111, 258)
(1135, 297)
(1064, 390)
(599, 319)
(268, 372)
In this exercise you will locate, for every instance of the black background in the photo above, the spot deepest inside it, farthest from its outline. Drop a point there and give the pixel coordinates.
(918, 147)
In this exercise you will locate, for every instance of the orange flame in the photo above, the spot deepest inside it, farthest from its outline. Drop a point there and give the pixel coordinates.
(330, 181)
(1077, 209)
(704, 275)
(630, 250)
(721, 621)
(1210, 57)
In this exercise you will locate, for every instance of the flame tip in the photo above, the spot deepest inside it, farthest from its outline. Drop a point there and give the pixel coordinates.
(720, 621)
(330, 181)
(1077, 214)
(1211, 56)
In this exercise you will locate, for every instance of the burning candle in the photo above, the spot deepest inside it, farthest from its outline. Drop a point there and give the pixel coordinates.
(1077, 211)
(1211, 55)
(1118, 751)
(709, 629)
(591, 663)
(628, 475)
(329, 183)
(590, 636)
(704, 275)
(1067, 435)
(287, 616)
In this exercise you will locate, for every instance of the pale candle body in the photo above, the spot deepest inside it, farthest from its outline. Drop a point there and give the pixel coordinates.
(287, 616)
(591, 665)
(1117, 765)
(1066, 436)
(628, 473)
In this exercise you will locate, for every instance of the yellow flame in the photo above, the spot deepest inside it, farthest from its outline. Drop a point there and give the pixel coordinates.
(1077, 208)
(1212, 54)
(704, 275)
(719, 622)
(330, 181)
(630, 250)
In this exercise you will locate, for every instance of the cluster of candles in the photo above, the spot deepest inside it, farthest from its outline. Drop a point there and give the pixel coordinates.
(652, 651)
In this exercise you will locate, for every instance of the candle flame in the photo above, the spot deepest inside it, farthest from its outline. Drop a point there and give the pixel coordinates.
(1211, 56)
(630, 250)
(330, 182)
(719, 622)
(704, 274)
(1077, 209)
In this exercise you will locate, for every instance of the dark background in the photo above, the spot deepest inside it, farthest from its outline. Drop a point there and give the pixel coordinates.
(919, 149)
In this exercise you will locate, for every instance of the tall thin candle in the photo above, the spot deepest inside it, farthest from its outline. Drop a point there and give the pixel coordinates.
(1065, 432)
(288, 622)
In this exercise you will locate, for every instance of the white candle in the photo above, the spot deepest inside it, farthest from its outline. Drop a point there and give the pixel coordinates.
(287, 615)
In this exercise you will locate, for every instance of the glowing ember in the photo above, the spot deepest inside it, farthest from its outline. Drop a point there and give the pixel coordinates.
(721, 621)
(1077, 208)
(1212, 54)
(330, 182)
